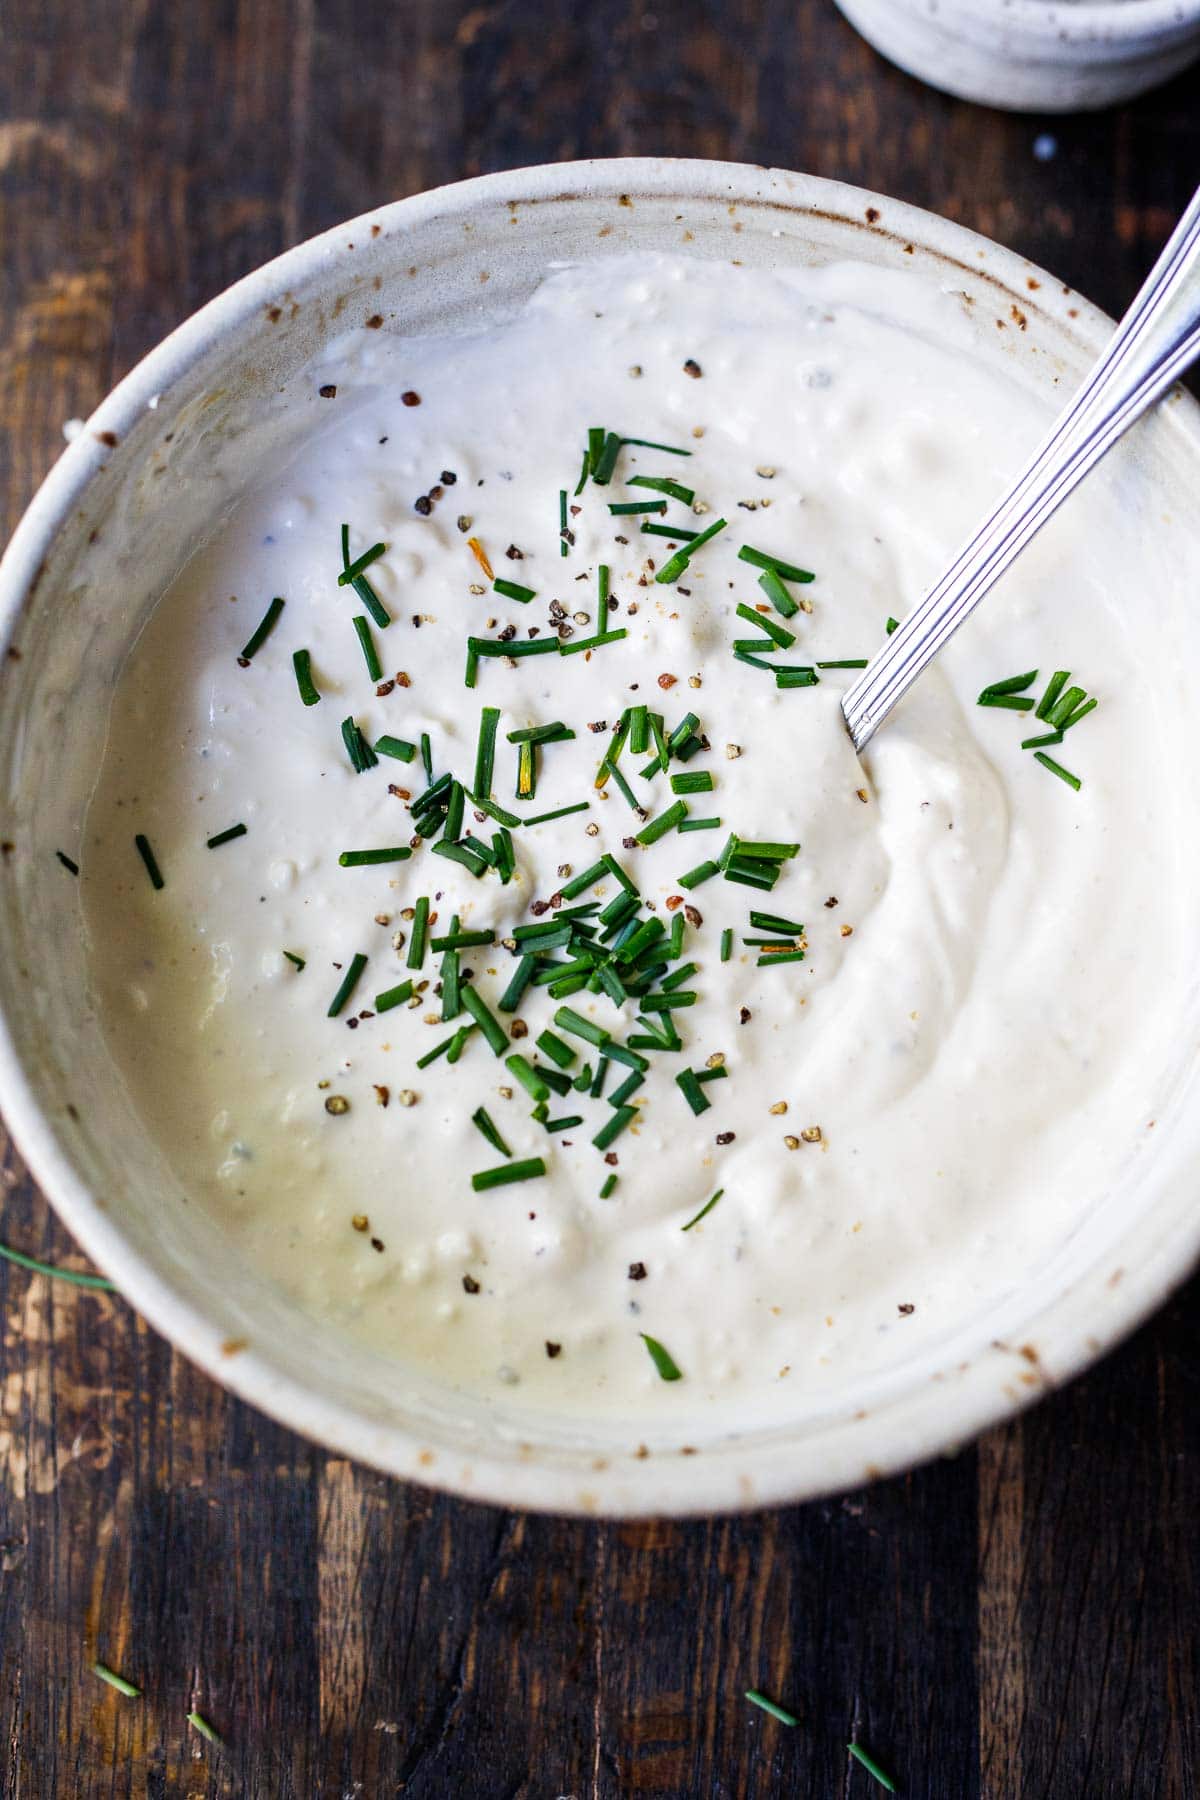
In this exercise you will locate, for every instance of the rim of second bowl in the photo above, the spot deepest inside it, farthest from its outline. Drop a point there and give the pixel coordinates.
(914, 1426)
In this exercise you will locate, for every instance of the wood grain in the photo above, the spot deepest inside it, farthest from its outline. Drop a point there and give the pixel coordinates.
(1019, 1621)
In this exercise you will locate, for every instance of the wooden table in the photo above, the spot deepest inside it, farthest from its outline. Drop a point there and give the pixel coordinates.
(1020, 1621)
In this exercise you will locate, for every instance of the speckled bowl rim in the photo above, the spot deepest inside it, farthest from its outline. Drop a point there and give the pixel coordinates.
(914, 1426)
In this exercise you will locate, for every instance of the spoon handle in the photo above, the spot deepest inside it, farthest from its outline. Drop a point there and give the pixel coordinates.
(1153, 344)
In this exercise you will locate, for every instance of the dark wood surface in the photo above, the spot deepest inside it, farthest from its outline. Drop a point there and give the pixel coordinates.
(1021, 1621)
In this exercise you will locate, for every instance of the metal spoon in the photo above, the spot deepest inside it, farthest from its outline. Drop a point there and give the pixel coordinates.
(1154, 343)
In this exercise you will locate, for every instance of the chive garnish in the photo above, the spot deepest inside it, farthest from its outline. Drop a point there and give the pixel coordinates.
(692, 1091)
(225, 837)
(801, 677)
(464, 855)
(1048, 762)
(362, 586)
(726, 944)
(1038, 743)
(1009, 702)
(361, 755)
(662, 1359)
(1015, 684)
(486, 1020)
(513, 590)
(554, 733)
(262, 632)
(68, 862)
(116, 1681)
(845, 662)
(1065, 706)
(752, 1694)
(700, 781)
(483, 1120)
(348, 985)
(614, 1126)
(872, 1767)
(572, 646)
(297, 961)
(788, 954)
(462, 940)
(712, 824)
(551, 1045)
(394, 996)
(702, 872)
(522, 975)
(610, 1182)
(1054, 688)
(565, 1124)
(695, 1221)
(891, 625)
(627, 508)
(778, 633)
(75, 1276)
(645, 444)
(142, 843)
(451, 989)
(663, 484)
(485, 754)
(420, 928)
(1073, 718)
(427, 756)
(763, 921)
(563, 527)
(361, 564)
(585, 879)
(526, 1170)
(567, 1019)
(367, 645)
(526, 772)
(559, 812)
(400, 748)
(777, 594)
(674, 567)
(365, 859)
(762, 559)
(302, 664)
(675, 532)
(529, 1077)
(199, 1723)
(665, 822)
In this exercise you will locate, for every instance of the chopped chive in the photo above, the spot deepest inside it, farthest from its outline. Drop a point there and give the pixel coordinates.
(1048, 762)
(720, 1073)
(142, 843)
(662, 1359)
(702, 872)
(400, 748)
(585, 879)
(526, 1170)
(711, 824)
(675, 532)
(665, 822)
(618, 874)
(762, 559)
(639, 730)
(522, 975)
(1054, 688)
(762, 921)
(567, 1019)
(645, 444)
(871, 1766)
(777, 594)
(574, 645)
(486, 1020)
(612, 1128)
(610, 1182)
(427, 757)
(691, 1090)
(483, 1119)
(298, 961)
(583, 474)
(626, 508)
(752, 1694)
(458, 1043)
(225, 837)
(603, 581)
(1064, 706)
(700, 781)
(778, 633)
(563, 526)
(513, 590)
(360, 565)
(262, 631)
(464, 855)
(551, 1045)
(605, 461)
(1073, 718)
(1037, 743)
(394, 996)
(116, 1681)
(541, 734)
(801, 677)
(451, 986)
(789, 955)
(845, 662)
(367, 645)
(302, 664)
(462, 940)
(681, 974)
(632, 1082)
(485, 754)
(529, 1077)
(726, 944)
(674, 567)
(442, 1049)
(892, 625)
(75, 1276)
(420, 928)
(564, 1124)
(493, 811)
(348, 985)
(199, 1723)
(526, 772)
(763, 646)
(361, 755)
(1015, 684)
(665, 1002)
(663, 484)
(769, 851)
(68, 862)
(629, 1059)
(1009, 702)
(754, 662)
(365, 859)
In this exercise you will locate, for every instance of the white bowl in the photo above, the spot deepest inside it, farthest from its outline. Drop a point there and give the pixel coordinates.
(176, 440)
(1056, 56)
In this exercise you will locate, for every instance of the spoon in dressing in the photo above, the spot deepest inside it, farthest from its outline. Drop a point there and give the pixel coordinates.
(1153, 344)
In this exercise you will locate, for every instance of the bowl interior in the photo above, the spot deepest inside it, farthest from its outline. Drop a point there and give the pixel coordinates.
(164, 457)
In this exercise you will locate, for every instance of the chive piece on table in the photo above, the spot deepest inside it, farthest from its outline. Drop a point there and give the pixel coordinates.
(394, 996)
(513, 590)
(366, 642)
(560, 812)
(114, 1680)
(697, 781)
(364, 859)
(302, 664)
(845, 662)
(726, 944)
(1054, 688)
(483, 1120)
(68, 862)
(400, 748)
(891, 625)
(349, 983)
(1048, 762)
(675, 566)
(763, 559)
(76, 1277)
(485, 1018)
(779, 634)
(772, 586)
(1014, 684)
(572, 646)
(627, 508)
(225, 837)
(662, 1359)
(702, 872)
(1009, 702)
(663, 484)
(142, 843)
(526, 1170)
(871, 1766)
(262, 631)
(199, 1723)
(665, 822)
(485, 754)
(755, 1697)
(361, 755)
(614, 1126)
(692, 1092)
(420, 929)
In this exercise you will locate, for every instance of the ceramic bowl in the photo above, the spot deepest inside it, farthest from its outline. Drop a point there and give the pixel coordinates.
(128, 500)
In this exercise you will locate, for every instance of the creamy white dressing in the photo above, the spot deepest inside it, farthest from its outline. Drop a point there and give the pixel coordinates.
(972, 1042)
